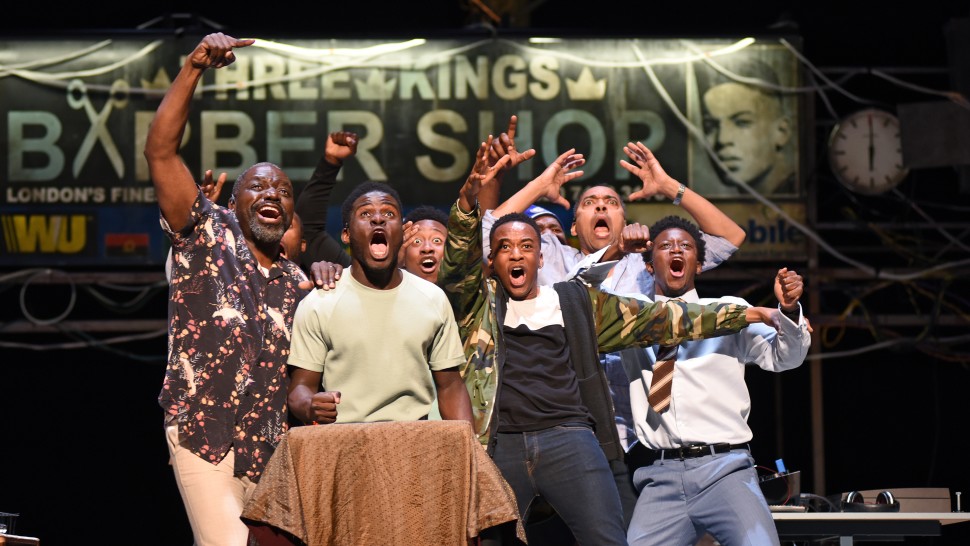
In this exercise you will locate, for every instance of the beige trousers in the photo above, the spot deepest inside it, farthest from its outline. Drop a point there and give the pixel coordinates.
(212, 496)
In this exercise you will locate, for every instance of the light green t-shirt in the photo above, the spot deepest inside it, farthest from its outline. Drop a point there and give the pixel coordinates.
(377, 347)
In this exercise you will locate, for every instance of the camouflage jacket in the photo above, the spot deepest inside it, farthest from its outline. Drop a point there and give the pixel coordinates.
(621, 322)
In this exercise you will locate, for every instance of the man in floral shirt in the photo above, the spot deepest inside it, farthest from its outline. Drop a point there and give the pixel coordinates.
(231, 308)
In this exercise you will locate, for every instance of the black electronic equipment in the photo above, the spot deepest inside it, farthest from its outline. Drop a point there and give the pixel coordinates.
(855, 502)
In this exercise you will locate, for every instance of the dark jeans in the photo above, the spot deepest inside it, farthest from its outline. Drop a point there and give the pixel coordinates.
(565, 466)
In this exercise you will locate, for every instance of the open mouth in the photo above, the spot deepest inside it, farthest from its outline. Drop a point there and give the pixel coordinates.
(270, 213)
(517, 276)
(378, 245)
(601, 228)
(428, 265)
(677, 266)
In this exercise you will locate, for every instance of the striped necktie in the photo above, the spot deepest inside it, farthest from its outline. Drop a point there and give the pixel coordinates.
(663, 377)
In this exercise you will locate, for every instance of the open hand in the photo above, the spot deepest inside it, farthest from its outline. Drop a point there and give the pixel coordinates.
(560, 172)
(323, 275)
(212, 189)
(505, 145)
(646, 167)
(483, 172)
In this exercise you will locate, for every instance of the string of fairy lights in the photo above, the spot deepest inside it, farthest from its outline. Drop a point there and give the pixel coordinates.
(419, 53)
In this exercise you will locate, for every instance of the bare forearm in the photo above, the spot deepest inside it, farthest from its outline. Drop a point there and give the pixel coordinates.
(520, 201)
(453, 401)
(709, 218)
(175, 187)
(299, 399)
(489, 195)
(165, 132)
(452, 408)
(303, 385)
(759, 314)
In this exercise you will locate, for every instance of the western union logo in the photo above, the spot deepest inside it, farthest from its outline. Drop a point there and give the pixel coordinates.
(46, 234)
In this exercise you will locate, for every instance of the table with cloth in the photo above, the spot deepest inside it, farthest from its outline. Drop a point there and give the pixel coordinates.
(414, 482)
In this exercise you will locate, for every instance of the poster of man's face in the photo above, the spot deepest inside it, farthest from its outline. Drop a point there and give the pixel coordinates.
(749, 124)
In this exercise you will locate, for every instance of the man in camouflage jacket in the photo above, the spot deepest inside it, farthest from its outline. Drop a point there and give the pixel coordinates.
(524, 383)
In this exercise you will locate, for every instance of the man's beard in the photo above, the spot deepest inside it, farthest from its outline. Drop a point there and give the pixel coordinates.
(263, 234)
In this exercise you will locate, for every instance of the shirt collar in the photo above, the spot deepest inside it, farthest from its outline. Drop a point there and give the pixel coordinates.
(690, 296)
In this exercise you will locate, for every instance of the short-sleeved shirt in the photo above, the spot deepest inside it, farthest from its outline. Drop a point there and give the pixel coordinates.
(229, 338)
(377, 347)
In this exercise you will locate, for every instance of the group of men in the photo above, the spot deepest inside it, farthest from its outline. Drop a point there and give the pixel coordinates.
(548, 351)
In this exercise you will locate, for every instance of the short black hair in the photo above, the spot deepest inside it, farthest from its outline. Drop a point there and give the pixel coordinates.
(427, 212)
(514, 217)
(668, 222)
(364, 188)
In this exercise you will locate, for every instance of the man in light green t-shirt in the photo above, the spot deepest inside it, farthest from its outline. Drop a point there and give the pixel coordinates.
(382, 342)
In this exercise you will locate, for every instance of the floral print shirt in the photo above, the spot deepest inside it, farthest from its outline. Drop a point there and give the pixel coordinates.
(229, 339)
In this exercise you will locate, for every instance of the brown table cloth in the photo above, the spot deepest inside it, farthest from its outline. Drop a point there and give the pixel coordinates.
(414, 482)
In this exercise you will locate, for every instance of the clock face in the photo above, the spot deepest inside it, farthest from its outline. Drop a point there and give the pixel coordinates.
(865, 152)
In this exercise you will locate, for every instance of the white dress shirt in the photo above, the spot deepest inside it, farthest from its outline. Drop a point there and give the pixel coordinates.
(710, 402)
(629, 275)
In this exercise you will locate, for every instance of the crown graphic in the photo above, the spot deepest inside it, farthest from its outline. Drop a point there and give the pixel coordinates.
(375, 88)
(585, 87)
(159, 85)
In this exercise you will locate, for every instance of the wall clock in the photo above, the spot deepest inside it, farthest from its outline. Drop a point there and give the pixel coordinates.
(865, 152)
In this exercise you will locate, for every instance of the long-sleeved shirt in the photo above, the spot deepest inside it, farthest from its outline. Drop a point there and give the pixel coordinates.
(620, 322)
(629, 275)
(710, 401)
(312, 206)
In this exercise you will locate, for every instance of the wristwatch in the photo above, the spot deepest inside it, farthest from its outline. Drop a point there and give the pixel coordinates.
(680, 194)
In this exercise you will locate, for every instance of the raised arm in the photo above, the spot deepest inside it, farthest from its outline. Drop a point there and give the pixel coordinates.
(504, 145)
(789, 286)
(483, 173)
(461, 269)
(545, 186)
(314, 201)
(175, 187)
(655, 180)
(622, 322)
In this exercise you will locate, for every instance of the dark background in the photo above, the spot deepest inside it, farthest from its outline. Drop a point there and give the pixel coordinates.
(82, 455)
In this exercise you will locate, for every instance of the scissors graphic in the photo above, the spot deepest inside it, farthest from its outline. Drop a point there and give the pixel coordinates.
(77, 98)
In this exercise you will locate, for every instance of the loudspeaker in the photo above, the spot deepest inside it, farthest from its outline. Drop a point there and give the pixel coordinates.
(885, 502)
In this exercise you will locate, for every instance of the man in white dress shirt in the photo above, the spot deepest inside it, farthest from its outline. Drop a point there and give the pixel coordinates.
(702, 478)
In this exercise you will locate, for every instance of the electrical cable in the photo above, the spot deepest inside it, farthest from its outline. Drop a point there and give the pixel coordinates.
(43, 347)
(381, 56)
(57, 318)
(697, 133)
